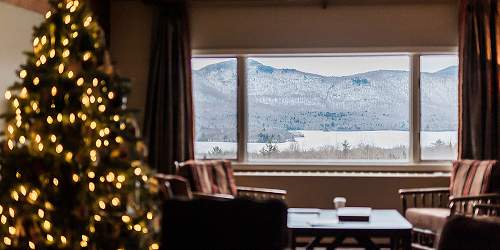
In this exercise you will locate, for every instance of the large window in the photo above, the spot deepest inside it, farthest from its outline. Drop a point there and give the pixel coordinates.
(326, 108)
(439, 109)
(214, 93)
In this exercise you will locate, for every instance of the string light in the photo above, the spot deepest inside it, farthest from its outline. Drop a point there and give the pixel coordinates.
(52, 53)
(23, 73)
(36, 81)
(53, 91)
(8, 95)
(80, 81)
(60, 68)
(65, 42)
(43, 40)
(31, 245)
(86, 56)
(111, 95)
(87, 22)
(48, 14)
(36, 41)
(70, 74)
(65, 53)
(24, 93)
(67, 19)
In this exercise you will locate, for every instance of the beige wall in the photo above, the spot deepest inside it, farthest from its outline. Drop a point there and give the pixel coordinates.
(352, 26)
(319, 191)
(131, 38)
(245, 28)
(16, 28)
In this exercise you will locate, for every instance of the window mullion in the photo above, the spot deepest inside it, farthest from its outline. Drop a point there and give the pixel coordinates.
(242, 109)
(414, 149)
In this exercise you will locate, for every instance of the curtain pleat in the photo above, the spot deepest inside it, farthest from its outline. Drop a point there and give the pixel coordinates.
(168, 125)
(479, 90)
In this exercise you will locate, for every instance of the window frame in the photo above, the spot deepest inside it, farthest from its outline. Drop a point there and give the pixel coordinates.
(414, 163)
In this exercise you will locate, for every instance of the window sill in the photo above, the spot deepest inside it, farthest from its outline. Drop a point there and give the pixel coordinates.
(380, 167)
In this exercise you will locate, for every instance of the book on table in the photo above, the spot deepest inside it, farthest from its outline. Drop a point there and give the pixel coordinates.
(354, 213)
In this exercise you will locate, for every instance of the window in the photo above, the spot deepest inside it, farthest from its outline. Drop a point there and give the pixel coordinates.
(328, 108)
(214, 94)
(345, 108)
(439, 107)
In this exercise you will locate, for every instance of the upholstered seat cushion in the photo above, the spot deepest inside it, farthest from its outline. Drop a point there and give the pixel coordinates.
(428, 218)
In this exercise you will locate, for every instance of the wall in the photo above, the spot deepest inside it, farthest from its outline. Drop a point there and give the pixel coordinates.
(131, 37)
(377, 191)
(16, 27)
(311, 27)
(362, 26)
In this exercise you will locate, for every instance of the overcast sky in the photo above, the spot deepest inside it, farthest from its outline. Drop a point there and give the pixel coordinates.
(341, 66)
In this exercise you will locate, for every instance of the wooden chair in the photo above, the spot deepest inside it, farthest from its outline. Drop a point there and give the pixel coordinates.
(224, 224)
(215, 177)
(472, 182)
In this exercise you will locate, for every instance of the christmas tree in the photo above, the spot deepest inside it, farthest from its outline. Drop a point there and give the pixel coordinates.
(72, 174)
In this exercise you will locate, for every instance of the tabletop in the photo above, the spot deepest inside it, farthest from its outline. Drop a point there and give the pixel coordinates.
(380, 219)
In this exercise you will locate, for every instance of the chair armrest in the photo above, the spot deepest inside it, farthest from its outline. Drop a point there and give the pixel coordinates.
(213, 196)
(465, 204)
(424, 197)
(261, 193)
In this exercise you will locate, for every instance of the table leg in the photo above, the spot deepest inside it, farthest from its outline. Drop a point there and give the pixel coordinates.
(366, 242)
(395, 243)
(407, 240)
(314, 243)
(339, 239)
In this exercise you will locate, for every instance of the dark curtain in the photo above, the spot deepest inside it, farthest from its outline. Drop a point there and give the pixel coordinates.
(479, 90)
(102, 12)
(168, 124)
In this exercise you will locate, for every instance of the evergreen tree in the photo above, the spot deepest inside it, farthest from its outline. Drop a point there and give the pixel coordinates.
(72, 174)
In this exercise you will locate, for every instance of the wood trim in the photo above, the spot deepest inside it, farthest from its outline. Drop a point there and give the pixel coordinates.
(40, 6)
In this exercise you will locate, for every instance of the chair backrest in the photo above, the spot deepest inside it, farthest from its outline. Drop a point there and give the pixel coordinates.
(224, 224)
(174, 187)
(209, 176)
(473, 177)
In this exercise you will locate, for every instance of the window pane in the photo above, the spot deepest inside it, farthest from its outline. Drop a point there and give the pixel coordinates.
(439, 107)
(214, 93)
(328, 108)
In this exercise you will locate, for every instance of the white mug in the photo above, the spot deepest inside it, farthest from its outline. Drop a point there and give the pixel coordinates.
(339, 202)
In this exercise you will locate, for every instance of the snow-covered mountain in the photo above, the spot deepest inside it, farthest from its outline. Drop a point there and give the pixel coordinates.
(281, 100)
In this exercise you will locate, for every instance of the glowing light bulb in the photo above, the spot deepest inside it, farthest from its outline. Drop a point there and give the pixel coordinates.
(67, 19)
(31, 245)
(155, 246)
(59, 148)
(7, 241)
(46, 225)
(36, 81)
(72, 118)
(49, 119)
(80, 81)
(59, 117)
(70, 74)
(69, 156)
(23, 73)
(43, 40)
(65, 53)
(120, 178)
(126, 218)
(119, 139)
(53, 91)
(41, 213)
(115, 201)
(60, 69)
(137, 171)
(24, 93)
(93, 125)
(22, 139)
(87, 22)
(48, 14)
(86, 56)
(75, 34)
(40, 147)
(102, 205)
(75, 177)
(8, 95)
(91, 187)
(111, 95)
(102, 108)
(50, 238)
(36, 41)
(63, 240)
(52, 53)
(10, 144)
(43, 59)
(149, 215)
(65, 42)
